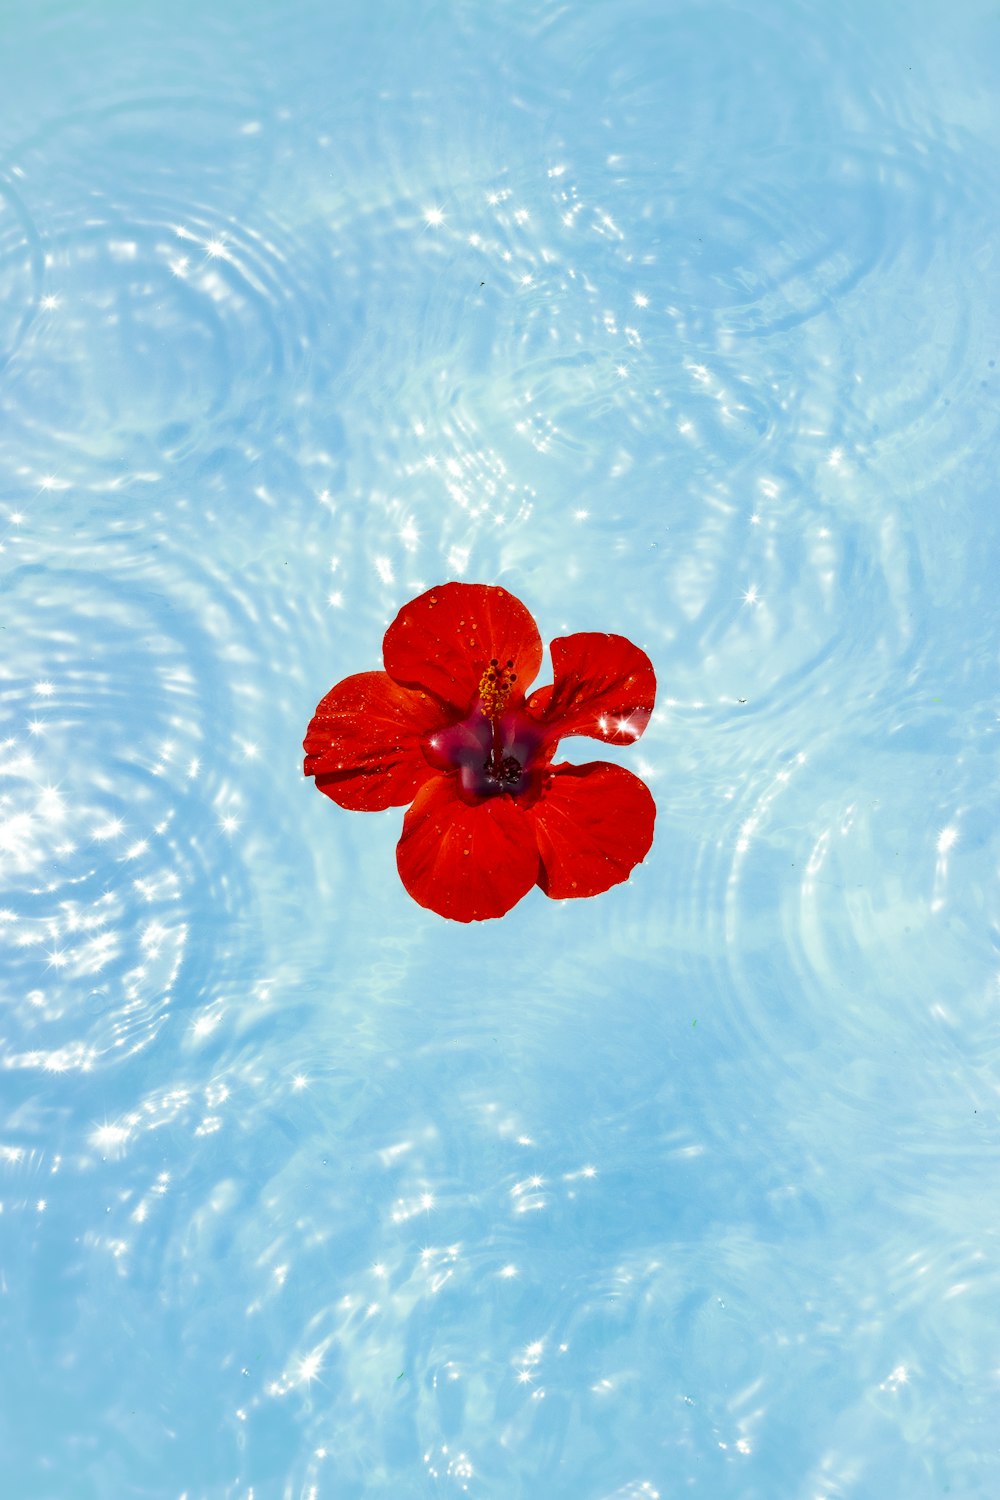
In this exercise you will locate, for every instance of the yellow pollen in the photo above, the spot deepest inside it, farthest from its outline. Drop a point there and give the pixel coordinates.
(494, 687)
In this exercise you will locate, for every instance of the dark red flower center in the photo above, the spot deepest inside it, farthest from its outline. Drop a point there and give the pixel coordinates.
(496, 748)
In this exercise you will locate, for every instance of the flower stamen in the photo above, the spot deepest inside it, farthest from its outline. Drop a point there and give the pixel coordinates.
(495, 687)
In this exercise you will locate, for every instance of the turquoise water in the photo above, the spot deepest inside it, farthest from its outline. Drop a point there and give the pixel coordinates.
(678, 321)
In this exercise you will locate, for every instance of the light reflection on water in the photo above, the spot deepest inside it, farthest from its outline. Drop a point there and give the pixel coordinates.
(676, 325)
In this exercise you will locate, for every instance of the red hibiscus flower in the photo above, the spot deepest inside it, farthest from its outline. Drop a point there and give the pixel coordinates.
(447, 728)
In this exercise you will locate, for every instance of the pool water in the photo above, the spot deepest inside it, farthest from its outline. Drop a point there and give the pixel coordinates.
(677, 320)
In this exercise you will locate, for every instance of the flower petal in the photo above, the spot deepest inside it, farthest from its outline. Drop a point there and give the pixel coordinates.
(363, 744)
(467, 861)
(443, 641)
(594, 824)
(604, 687)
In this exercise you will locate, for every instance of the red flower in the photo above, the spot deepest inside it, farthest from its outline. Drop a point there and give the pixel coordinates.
(447, 728)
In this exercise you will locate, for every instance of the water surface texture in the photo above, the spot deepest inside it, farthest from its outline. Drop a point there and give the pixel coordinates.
(678, 320)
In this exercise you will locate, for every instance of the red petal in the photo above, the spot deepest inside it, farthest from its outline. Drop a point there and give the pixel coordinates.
(604, 687)
(594, 825)
(467, 861)
(443, 641)
(363, 745)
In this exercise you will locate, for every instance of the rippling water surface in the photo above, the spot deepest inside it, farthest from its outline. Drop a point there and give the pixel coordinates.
(678, 320)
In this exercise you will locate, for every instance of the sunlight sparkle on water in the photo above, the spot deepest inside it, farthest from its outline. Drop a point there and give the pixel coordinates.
(217, 249)
(309, 1367)
(109, 830)
(109, 1138)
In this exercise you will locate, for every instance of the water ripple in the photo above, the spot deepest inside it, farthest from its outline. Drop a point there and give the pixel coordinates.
(162, 313)
(677, 328)
(21, 270)
(103, 840)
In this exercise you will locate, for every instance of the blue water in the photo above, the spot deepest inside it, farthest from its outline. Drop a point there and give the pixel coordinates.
(678, 320)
